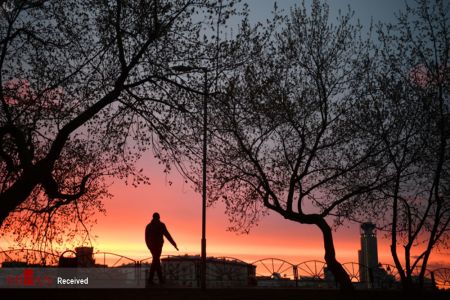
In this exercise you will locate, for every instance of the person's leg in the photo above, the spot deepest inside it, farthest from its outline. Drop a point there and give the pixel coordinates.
(155, 262)
(157, 256)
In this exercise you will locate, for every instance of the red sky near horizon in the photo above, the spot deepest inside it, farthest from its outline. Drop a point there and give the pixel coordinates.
(122, 229)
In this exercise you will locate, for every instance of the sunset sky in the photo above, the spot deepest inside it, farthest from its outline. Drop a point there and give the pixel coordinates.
(122, 229)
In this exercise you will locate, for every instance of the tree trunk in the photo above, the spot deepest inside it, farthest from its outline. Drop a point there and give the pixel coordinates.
(394, 253)
(335, 267)
(17, 193)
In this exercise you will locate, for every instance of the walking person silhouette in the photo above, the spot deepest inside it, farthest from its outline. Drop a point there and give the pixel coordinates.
(154, 233)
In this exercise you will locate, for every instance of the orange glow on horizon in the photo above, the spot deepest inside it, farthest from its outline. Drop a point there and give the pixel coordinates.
(121, 231)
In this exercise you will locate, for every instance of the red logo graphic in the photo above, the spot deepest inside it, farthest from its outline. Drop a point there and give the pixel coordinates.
(28, 279)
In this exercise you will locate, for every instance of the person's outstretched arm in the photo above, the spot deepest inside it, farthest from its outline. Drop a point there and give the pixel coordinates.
(169, 237)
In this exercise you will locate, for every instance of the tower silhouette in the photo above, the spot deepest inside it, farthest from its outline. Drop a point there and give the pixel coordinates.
(368, 255)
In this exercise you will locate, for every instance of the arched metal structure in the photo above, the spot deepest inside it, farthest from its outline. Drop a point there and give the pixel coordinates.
(311, 270)
(29, 256)
(114, 260)
(223, 269)
(354, 270)
(44, 258)
(442, 278)
(148, 260)
(275, 268)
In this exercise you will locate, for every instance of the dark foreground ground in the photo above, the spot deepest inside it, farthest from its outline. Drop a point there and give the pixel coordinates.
(214, 294)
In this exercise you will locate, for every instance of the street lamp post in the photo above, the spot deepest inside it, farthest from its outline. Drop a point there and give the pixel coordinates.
(205, 145)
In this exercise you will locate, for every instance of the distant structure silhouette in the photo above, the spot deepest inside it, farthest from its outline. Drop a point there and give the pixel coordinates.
(368, 255)
(154, 233)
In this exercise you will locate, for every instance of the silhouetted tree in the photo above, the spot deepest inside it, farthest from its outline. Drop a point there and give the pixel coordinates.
(85, 86)
(281, 133)
(405, 105)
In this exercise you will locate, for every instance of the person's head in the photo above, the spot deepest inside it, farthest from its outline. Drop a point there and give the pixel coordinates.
(156, 216)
